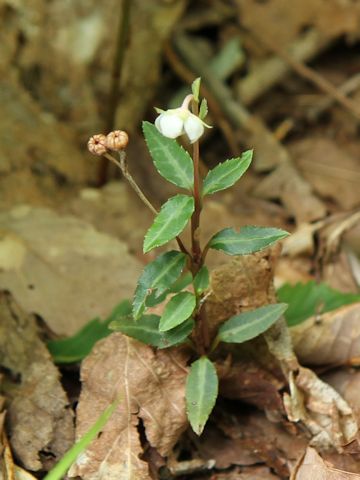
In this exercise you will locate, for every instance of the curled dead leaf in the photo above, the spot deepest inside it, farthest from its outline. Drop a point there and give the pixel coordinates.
(328, 417)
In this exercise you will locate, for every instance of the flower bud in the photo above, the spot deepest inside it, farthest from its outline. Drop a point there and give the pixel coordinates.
(97, 144)
(117, 140)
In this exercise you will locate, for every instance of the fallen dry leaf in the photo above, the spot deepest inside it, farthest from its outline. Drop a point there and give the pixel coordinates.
(151, 385)
(347, 383)
(329, 169)
(248, 473)
(61, 268)
(295, 193)
(249, 438)
(282, 21)
(246, 283)
(313, 466)
(332, 338)
(39, 419)
(253, 384)
(327, 416)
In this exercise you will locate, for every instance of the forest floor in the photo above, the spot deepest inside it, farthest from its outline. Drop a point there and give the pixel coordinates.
(281, 79)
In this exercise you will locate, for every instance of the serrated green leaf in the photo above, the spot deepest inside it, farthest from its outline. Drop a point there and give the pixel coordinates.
(170, 159)
(201, 280)
(249, 240)
(158, 276)
(75, 348)
(201, 393)
(146, 330)
(169, 222)
(227, 173)
(203, 109)
(248, 325)
(308, 299)
(181, 283)
(195, 88)
(154, 299)
(177, 310)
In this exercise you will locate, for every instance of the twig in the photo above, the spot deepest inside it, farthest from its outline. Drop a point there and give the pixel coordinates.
(312, 76)
(273, 70)
(122, 35)
(347, 88)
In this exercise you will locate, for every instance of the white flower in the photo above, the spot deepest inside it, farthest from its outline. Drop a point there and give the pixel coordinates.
(176, 121)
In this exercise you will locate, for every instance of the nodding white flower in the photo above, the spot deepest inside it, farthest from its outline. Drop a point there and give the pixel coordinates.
(176, 121)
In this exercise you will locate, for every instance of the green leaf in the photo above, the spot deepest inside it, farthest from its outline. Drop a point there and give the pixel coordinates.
(183, 282)
(227, 173)
(170, 159)
(154, 299)
(201, 392)
(195, 88)
(249, 240)
(203, 109)
(169, 222)
(248, 325)
(308, 299)
(76, 348)
(201, 280)
(146, 330)
(59, 471)
(158, 275)
(177, 310)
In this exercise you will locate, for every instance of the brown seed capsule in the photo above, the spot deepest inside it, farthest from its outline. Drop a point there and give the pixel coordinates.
(97, 144)
(117, 140)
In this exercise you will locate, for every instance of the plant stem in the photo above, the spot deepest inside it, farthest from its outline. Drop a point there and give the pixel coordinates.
(122, 164)
(123, 167)
(195, 219)
(201, 328)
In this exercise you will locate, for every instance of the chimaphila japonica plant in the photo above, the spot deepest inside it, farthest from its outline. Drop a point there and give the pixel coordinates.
(180, 277)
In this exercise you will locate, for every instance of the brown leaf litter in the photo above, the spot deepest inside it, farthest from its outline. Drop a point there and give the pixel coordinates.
(151, 385)
(332, 172)
(332, 338)
(313, 466)
(61, 268)
(247, 283)
(283, 21)
(40, 421)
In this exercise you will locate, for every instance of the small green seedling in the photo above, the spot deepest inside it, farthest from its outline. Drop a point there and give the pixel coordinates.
(180, 277)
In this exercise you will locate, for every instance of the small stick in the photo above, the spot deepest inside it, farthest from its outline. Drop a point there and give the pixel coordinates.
(272, 70)
(347, 88)
(312, 76)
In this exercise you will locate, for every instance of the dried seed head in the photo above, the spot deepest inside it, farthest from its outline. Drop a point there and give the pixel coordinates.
(117, 140)
(97, 144)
